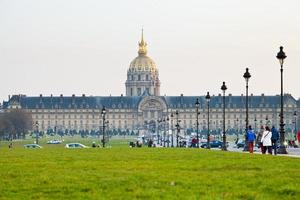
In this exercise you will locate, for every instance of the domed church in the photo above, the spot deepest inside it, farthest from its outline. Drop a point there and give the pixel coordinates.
(144, 111)
(142, 75)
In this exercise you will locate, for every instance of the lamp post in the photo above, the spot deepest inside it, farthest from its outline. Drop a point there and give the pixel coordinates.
(158, 129)
(281, 56)
(267, 120)
(37, 132)
(197, 104)
(247, 76)
(164, 124)
(172, 137)
(207, 97)
(224, 88)
(295, 118)
(168, 136)
(103, 113)
(255, 128)
(237, 129)
(177, 128)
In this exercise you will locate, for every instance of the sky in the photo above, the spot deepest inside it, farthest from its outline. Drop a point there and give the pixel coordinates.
(85, 46)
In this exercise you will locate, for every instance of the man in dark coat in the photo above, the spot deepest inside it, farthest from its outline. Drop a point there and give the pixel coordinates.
(274, 139)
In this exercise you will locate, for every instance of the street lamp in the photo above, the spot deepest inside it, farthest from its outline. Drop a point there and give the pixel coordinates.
(168, 136)
(247, 76)
(197, 104)
(295, 118)
(237, 129)
(177, 128)
(224, 88)
(103, 113)
(207, 97)
(164, 124)
(255, 120)
(158, 129)
(281, 56)
(172, 142)
(267, 121)
(37, 132)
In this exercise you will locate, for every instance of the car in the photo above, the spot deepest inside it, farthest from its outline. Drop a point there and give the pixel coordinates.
(75, 145)
(32, 146)
(240, 144)
(213, 144)
(54, 142)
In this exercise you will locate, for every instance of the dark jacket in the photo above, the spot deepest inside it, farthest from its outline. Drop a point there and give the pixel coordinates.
(275, 134)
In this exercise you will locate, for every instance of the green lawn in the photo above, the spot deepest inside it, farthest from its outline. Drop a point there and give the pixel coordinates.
(120, 172)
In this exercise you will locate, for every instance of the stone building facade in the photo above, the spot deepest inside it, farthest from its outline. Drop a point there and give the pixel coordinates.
(144, 109)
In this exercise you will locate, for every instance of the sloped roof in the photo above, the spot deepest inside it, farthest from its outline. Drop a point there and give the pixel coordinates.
(173, 102)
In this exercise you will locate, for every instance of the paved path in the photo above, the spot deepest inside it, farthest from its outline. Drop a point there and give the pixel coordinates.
(292, 152)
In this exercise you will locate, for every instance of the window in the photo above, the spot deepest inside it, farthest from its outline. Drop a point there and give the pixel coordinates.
(139, 91)
(139, 77)
(147, 77)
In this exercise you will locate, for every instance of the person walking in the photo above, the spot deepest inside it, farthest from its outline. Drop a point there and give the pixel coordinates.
(266, 141)
(250, 138)
(258, 138)
(274, 139)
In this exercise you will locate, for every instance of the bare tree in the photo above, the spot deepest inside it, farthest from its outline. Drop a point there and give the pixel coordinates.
(15, 124)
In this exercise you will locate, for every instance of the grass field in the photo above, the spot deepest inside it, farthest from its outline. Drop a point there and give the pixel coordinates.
(120, 172)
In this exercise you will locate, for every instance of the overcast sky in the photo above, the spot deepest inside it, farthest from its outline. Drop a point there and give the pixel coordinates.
(85, 46)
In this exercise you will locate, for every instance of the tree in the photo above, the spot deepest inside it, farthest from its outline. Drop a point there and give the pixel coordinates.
(15, 124)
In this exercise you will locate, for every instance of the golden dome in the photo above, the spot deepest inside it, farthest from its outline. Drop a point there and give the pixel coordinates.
(142, 62)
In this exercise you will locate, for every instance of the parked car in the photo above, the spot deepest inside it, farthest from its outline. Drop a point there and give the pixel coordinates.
(32, 146)
(75, 145)
(240, 144)
(54, 142)
(214, 144)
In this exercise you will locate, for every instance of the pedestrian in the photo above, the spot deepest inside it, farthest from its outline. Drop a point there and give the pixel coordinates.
(194, 143)
(250, 139)
(266, 141)
(150, 143)
(274, 139)
(258, 138)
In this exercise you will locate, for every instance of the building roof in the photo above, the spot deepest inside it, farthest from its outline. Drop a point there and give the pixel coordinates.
(130, 102)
